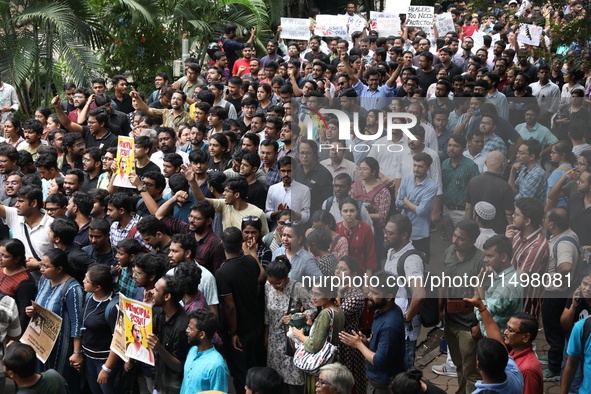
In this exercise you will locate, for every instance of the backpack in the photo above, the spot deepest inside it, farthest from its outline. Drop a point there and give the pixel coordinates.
(113, 302)
(429, 312)
(581, 264)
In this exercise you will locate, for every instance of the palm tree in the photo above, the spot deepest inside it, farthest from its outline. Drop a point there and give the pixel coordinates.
(44, 43)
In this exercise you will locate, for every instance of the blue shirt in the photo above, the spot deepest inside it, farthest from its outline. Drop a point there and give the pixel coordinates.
(531, 183)
(302, 264)
(422, 195)
(204, 371)
(387, 341)
(538, 132)
(577, 349)
(374, 100)
(513, 384)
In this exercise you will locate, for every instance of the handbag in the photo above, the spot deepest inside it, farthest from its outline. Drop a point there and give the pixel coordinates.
(289, 346)
(311, 362)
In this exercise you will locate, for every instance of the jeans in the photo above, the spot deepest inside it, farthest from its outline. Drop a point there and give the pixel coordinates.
(240, 362)
(410, 348)
(551, 311)
(93, 368)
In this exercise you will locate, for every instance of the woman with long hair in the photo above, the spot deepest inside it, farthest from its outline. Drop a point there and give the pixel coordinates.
(253, 242)
(56, 186)
(13, 132)
(15, 280)
(62, 294)
(264, 94)
(318, 244)
(412, 382)
(374, 195)
(562, 155)
(42, 115)
(358, 233)
(351, 300)
(218, 151)
(322, 219)
(302, 261)
(283, 295)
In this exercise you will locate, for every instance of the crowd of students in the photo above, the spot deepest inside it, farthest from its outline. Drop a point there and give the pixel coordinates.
(243, 192)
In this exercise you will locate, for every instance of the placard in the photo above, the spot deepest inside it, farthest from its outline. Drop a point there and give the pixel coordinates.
(125, 162)
(397, 6)
(42, 332)
(419, 16)
(355, 23)
(295, 28)
(445, 24)
(388, 26)
(118, 342)
(374, 15)
(478, 38)
(530, 34)
(331, 26)
(138, 325)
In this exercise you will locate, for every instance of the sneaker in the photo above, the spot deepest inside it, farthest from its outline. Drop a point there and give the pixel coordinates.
(445, 370)
(550, 376)
(543, 359)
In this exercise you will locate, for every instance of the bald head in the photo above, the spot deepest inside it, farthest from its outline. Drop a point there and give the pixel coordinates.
(494, 161)
(558, 216)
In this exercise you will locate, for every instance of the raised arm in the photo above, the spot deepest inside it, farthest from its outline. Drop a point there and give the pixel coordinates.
(83, 114)
(141, 105)
(350, 72)
(63, 118)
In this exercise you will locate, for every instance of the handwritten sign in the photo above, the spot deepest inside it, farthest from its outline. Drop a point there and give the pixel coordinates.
(42, 332)
(295, 28)
(478, 38)
(138, 325)
(397, 6)
(331, 26)
(529, 34)
(419, 16)
(374, 15)
(355, 23)
(445, 24)
(388, 26)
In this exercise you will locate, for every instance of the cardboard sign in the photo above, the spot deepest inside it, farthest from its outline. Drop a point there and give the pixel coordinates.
(530, 34)
(125, 162)
(355, 23)
(138, 325)
(397, 6)
(374, 15)
(388, 26)
(445, 24)
(331, 26)
(118, 342)
(295, 28)
(42, 332)
(419, 16)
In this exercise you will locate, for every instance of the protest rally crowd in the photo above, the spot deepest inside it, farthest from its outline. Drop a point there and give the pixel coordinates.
(242, 187)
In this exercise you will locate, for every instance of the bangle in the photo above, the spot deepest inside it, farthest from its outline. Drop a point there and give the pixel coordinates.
(80, 352)
(482, 309)
(104, 367)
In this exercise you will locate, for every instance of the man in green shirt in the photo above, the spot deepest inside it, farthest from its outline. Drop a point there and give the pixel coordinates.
(456, 172)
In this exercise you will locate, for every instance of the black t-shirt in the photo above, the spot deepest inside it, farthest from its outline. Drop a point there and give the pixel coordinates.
(237, 103)
(426, 79)
(582, 312)
(239, 277)
(257, 195)
(151, 166)
(97, 331)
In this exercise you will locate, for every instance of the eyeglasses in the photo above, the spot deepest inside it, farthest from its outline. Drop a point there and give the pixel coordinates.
(281, 223)
(189, 329)
(388, 233)
(14, 183)
(138, 273)
(44, 267)
(250, 219)
(323, 382)
(512, 331)
(53, 209)
(148, 184)
(106, 158)
(85, 160)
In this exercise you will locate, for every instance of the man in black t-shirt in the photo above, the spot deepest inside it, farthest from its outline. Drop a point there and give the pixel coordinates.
(237, 280)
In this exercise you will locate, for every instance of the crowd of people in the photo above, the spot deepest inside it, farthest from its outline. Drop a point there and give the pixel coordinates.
(243, 196)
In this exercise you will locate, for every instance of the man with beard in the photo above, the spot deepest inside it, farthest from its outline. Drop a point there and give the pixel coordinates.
(382, 350)
(80, 97)
(205, 368)
(79, 207)
(401, 253)
(120, 96)
(13, 185)
(100, 249)
(74, 148)
(272, 54)
(166, 144)
(8, 164)
(198, 131)
(241, 65)
(93, 168)
(182, 251)
(170, 117)
(288, 194)
(118, 121)
(462, 59)
(167, 340)
(73, 181)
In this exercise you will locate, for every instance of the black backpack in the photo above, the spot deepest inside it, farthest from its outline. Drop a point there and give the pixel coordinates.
(429, 312)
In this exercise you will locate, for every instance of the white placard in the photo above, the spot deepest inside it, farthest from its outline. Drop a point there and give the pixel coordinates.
(355, 23)
(419, 16)
(388, 27)
(331, 26)
(374, 15)
(445, 24)
(478, 38)
(494, 38)
(295, 28)
(397, 6)
(529, 34)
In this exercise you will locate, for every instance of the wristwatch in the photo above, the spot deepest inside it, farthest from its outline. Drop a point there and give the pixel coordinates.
(143, 189)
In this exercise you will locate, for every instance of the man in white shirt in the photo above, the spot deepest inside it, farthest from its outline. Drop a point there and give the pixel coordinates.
(288, 194)
(547, 93)
(9, 103)
(474, 151)
(167, 144)
(337, 164)
(341, 186)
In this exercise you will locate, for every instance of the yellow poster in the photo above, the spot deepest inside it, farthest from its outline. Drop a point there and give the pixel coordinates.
(138, 325)
(42, 332)
(118, 342)
(125, 162)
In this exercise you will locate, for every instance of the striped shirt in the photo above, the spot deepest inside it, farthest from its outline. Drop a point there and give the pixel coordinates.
(531, 255)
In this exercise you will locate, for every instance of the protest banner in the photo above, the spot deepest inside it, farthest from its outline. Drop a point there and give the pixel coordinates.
(138, 325)
(355, 23)
(397, 6)
(295, 28)
(388, 26)
(419, 16)
(118, 342)
(530, 34)
(445, 24)
(125, 162)
(331, 26)
(42, 332)
(374, 15)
